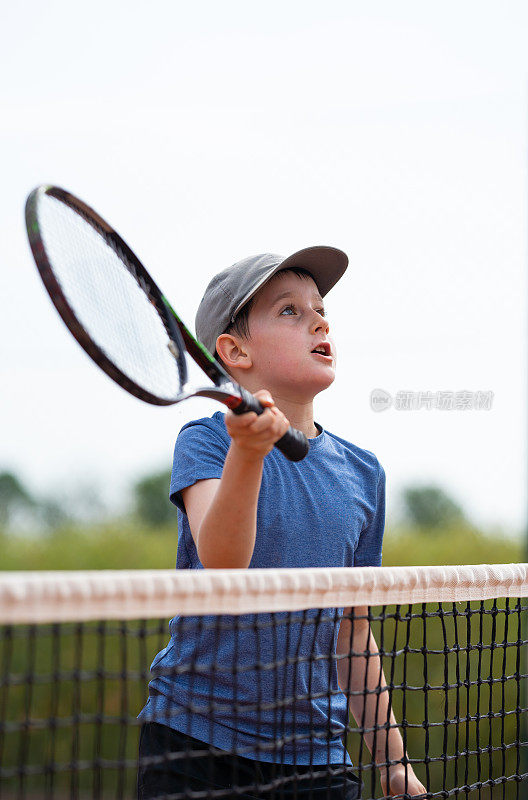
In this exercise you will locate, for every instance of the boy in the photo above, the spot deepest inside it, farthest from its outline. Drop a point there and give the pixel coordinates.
(241, 504)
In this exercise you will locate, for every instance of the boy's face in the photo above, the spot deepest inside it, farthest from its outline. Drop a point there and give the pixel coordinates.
(286, 322)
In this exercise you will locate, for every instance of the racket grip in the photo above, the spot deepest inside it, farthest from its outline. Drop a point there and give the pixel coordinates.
(294, 444)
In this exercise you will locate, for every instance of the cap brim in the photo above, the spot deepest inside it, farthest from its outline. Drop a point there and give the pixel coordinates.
(326, 264)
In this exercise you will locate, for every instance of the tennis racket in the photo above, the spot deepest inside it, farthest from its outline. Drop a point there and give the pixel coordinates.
(119, 316)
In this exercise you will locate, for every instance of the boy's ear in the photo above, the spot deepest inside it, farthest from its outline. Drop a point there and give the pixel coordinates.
(231, 351)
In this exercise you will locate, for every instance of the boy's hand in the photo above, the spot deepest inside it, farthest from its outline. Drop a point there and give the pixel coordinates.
(255, 435)
(399, 785)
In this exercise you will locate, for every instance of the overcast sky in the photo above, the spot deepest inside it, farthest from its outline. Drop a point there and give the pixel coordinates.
(206, 132)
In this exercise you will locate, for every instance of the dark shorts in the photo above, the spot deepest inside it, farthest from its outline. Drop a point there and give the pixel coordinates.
(169, 777)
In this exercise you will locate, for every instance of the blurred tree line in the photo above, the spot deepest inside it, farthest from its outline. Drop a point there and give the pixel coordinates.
(430, 508)
(425, 507)
(78, 532)
(22, 509)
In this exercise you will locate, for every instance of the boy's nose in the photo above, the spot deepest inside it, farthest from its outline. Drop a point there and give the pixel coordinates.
(320, 323)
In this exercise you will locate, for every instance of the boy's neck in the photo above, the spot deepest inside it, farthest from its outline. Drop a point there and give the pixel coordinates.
(299, 415)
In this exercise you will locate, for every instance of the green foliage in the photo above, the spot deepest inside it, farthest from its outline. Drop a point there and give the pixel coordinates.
(122, 544)
(13, 497)
(456, 544)
(119, 544)
(21, 510)
(430, 508)
(148, 540)
(151, 500)
(52, 514)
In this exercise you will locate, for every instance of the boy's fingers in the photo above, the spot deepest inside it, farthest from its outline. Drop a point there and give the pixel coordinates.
(258, 431)
(261, 421)
(282, 422)
(272, 421)
(241, 420)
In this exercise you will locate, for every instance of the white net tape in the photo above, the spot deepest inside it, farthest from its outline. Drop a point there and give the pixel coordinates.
(27, 597)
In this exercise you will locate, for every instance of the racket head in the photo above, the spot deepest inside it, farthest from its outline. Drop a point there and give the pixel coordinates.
(105, 296)
(199, 352)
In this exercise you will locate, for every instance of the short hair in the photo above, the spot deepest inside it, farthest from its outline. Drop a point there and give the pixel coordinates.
(240, 324)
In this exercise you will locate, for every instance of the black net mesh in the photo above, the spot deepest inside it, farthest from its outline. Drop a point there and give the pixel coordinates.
(455, 674)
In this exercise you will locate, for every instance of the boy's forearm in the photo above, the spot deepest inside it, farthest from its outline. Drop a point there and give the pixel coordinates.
(226, 538)
(359, 677)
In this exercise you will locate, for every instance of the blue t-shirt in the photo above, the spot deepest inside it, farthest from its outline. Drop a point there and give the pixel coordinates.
(327, 510)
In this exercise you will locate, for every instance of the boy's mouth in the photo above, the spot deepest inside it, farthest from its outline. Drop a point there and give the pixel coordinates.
(323, 351)
(323, 348)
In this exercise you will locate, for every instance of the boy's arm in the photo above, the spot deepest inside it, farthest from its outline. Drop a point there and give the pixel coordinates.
(223, 513)
(363, 675)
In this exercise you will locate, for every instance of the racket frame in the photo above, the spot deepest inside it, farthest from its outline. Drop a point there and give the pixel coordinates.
(293, 444)
(180, 337)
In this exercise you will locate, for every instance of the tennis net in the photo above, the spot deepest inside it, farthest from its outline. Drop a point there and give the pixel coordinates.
(265, 665)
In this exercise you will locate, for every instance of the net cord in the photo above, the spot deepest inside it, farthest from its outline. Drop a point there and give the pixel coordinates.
(34, 597)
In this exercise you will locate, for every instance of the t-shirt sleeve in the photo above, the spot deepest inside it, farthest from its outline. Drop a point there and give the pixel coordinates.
(199, 453)
(368, 550)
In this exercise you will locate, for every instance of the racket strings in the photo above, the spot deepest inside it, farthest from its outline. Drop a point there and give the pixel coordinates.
(109, 298)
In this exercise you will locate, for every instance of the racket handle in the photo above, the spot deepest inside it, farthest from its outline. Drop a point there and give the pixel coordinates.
(294, 444)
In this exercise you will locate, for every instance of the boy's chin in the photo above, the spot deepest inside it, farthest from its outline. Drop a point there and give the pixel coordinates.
(324, 384)
(325, 378)
(305, 386)
(316, 384)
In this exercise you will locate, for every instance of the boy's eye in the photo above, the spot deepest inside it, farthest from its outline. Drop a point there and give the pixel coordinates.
(292, 308)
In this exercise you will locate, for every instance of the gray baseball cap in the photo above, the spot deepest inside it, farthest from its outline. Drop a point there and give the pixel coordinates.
(231, 289)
